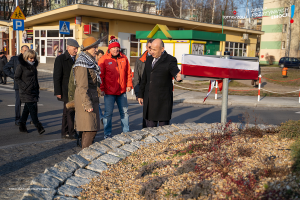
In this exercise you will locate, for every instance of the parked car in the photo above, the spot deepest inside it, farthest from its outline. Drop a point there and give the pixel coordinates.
(289, 62)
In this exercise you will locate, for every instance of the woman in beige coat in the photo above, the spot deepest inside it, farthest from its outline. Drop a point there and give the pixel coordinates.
(87, 79)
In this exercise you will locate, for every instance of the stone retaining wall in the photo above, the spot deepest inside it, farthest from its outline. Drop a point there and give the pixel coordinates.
(63, 181)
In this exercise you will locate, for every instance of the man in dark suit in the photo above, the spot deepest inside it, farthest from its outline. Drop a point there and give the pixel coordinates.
(155, 92)
(9, 69)
(62, 68)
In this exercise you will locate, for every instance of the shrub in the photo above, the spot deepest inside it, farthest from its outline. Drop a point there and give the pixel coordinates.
(290, 129)
(295, 148)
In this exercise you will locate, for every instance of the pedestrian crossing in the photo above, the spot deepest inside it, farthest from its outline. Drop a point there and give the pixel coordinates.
(7, 88)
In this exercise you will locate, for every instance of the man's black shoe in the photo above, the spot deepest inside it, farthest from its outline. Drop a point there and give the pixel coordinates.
(17, 123)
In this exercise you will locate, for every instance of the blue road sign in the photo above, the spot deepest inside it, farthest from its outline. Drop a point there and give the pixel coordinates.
(64, 27)
(18, 25)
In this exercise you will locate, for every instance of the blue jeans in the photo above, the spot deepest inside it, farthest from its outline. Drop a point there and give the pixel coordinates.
(100, 113)
(109, 101)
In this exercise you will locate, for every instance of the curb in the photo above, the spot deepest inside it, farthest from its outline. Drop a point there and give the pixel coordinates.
(63, 181)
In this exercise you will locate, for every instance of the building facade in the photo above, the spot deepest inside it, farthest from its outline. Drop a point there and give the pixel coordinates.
(281, 37)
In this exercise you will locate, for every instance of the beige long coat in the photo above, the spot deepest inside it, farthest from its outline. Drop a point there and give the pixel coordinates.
(86, 97)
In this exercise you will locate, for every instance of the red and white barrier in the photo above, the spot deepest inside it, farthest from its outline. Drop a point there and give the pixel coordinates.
(216, 91)
(259, 85)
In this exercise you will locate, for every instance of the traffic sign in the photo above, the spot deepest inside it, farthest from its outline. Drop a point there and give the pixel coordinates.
(18, 14)
(18, 25)
(64, 27)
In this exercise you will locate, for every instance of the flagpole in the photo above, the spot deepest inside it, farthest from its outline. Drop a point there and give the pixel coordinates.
(222, 20)
(17, 35)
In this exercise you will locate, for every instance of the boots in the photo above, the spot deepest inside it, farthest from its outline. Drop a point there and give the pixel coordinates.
(22, 127)
(87, 138)
(40, 128)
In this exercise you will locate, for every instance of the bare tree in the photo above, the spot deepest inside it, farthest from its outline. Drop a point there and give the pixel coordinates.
(175, 6)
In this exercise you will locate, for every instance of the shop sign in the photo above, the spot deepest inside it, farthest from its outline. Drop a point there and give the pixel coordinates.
(87, 29)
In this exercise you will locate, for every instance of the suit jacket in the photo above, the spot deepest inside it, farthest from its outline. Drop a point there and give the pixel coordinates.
(61, 74)
(10, 68)
(138, 72)
(156, 88)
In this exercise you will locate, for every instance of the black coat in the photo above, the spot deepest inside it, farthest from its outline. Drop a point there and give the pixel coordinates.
(3, 61)
(156, 88)
(27, 79)
(10, 68)
(61, 74)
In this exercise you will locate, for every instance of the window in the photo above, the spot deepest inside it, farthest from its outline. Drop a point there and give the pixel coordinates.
(284, 28)
(236, 49)
(70, 35)
(37, 33)
(95, 27)
(135, 49)
(57, 1)
(52, 33)
(283, 45)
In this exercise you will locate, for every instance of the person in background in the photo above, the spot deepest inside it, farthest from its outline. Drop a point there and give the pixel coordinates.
(10, 69)
(87, 80)
(27, 79)
(59, 52)
(3, 61)
(116, 81)
(155, 93)
(99, 54)
(138, 72)
(61, 74)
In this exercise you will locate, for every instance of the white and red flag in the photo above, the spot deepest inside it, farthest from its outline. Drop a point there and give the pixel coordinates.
(212, 67)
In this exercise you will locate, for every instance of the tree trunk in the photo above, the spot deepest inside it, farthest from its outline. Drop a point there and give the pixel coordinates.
(213, 12)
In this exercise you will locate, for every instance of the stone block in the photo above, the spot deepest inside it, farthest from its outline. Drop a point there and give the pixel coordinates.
(66, 166)
(160, 138)
(77, 181)
(79, 160)
(36, 192)
(154, 132)
(141, 133)
(138, 144)
(85, 173)
(120, 153)
(68, 190)
(122, 139)
(58, 197)
(181, 126)
(130, 148)
(150, 139)
(45, 181)
(135, 137)
(55, 173)
(109, 159)
(97, 166)
(100, 147)
(169, 135)
(89, 154)
(186, 132)
(112, 143)
(170, 128)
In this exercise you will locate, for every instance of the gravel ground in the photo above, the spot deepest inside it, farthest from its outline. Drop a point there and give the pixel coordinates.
(143, 175)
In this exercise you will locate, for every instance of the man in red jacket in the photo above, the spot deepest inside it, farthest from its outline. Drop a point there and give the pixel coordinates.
(116, 81)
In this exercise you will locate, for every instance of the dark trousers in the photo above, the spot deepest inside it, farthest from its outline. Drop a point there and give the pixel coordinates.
(67, 127)
(154, 123)
(17, 106)
(144, 123)
(30, 107)
(2, 77)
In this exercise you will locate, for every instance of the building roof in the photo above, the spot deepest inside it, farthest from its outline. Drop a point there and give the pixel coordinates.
(114, 14)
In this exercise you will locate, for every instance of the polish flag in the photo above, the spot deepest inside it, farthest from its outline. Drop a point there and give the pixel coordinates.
(212, 67)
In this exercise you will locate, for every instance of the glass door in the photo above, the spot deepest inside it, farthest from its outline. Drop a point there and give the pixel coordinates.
(43, 51)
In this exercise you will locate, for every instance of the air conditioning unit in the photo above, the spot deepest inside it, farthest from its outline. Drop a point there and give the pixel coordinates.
(245, 36)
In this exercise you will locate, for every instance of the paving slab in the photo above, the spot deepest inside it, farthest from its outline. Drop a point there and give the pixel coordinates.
(36, 192)
(120, 153)
(112, 143)
(55, 173)
(129, 147)
(133, 137)
(100, 147)
(68, 190)
(89, 153)
(150, 139)
(79, 160)
(140, 132)
(66, 166)
(45, 181)
(160, 138)
(85, 173)
(97, 166)
(138, 144)
(77, 181)
(170, 128)
(109, 159)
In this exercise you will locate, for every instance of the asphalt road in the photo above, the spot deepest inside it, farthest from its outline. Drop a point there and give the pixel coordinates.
(50, 112)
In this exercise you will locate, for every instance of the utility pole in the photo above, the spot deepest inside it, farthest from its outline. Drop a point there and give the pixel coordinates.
(289, 32)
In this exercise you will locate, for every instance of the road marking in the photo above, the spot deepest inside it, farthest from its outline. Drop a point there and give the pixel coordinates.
(9, 86)
(298, 112)
(8, 90)
(134, 104)
(23, 105)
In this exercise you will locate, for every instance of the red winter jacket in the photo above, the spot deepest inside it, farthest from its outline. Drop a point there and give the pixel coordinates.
(115, 74)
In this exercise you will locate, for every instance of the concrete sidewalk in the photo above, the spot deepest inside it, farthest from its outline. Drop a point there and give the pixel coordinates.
(194, 97)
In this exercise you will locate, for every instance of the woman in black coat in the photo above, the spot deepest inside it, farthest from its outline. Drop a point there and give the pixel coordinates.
(26, 78)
